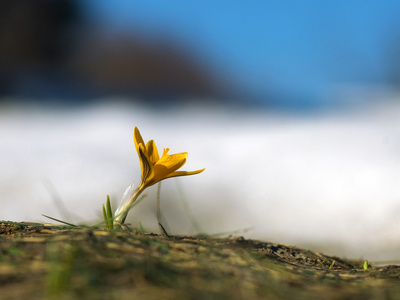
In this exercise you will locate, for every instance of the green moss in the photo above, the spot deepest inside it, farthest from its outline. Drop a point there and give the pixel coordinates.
(76, 263)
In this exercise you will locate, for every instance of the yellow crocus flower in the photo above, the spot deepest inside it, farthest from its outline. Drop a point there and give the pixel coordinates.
(154, 169)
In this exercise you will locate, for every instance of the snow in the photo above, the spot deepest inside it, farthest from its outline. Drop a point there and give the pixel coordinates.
(330, 182)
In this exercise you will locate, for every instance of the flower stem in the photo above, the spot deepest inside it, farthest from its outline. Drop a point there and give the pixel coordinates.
(126, 204)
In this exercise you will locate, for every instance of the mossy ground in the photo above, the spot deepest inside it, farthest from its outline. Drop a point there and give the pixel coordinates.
(44, 261)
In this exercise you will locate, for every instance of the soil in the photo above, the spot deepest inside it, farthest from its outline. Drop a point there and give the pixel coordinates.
(45, 261)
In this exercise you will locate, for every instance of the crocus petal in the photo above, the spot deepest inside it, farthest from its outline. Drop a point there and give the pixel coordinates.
(184, 173)
(137, 138)
(145, 164)
(152, 151)
(171, 162)
(167, 165)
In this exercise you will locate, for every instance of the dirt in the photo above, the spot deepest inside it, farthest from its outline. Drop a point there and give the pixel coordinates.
(45, 261)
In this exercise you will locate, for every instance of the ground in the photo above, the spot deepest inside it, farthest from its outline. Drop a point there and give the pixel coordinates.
(45, 261)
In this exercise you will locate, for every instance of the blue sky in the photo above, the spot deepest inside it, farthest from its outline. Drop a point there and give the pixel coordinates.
(294, 48)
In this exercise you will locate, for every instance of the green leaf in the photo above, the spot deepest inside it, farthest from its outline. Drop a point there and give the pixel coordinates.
(105, 216)
(66, 223)
(109, 213)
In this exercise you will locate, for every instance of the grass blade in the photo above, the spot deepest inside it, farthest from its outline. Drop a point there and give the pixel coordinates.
(63, 222)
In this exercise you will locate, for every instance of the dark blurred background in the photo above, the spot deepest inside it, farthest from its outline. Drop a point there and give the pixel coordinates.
(54, 50)
(286, 54)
